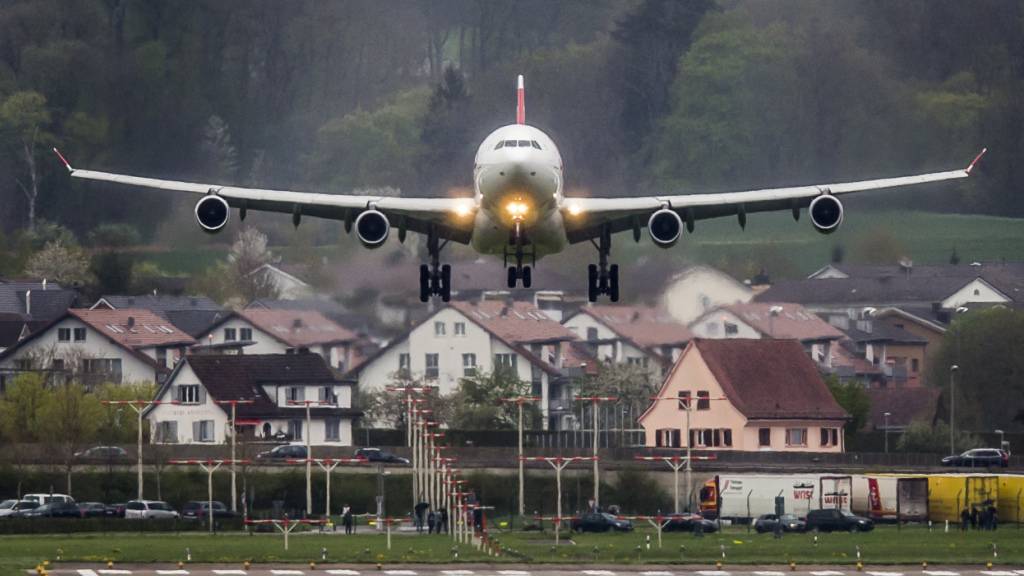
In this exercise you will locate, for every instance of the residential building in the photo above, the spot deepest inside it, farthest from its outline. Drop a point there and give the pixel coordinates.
(287, 285)
(465, 338)
(640, 335)
(278, 386)
(771, 320)
(192, 314)
(119, 346)
(273, 331)
(745, 395)
(904, 405)
(696, 290)
(36, 300)
(898, 353)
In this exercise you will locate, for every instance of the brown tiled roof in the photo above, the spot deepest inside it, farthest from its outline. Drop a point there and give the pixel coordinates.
(514, 322)
(297, 328)
(769, 379)
(132, 327)
(794, 321)
(842, 355)
(647, 327)
(903, 404)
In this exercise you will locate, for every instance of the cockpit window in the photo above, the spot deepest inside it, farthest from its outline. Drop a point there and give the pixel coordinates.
(499, 145)
(524, 143)
(510, 143)
(535, 144)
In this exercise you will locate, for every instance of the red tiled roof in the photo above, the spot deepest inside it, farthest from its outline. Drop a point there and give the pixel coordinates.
(793, 321)
(646, 326)
(514, 322)
(133, 328)
(841, 356)
(904, 405)
(297, 328)
(769, 379)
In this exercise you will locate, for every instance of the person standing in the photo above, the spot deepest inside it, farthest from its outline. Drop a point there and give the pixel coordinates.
(443, 523)
(418, 511)
(431, 522)
(965, 519)
(346, 518)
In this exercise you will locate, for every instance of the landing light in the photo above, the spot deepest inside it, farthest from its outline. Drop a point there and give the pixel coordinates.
(463, 209)
(517, 209)
(575, 209)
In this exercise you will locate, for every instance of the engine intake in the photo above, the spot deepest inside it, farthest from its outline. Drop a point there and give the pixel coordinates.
(212, 213)
(372, 228)
(826, 213)
(665, 227)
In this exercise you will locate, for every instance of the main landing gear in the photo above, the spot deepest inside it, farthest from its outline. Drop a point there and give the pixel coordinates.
(518, 241)
(602, 278)
(435, 279)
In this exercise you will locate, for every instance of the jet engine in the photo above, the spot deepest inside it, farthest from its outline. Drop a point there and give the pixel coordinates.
(372, 227)
(665, 227)
(212, 213)
(826, 213)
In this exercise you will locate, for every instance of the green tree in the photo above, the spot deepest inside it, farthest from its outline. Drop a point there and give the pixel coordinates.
(477, 405)
(927, 438)
(852, 397)
(19, 408)
(69, 419)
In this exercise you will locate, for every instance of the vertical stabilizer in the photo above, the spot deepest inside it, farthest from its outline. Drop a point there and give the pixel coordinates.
(520, 102)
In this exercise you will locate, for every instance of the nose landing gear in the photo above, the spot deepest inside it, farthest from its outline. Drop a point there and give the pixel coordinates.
(435, 279)
(602, 278)
(518, 241)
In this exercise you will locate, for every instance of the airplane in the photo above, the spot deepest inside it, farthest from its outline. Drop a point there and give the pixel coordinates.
(519, 210)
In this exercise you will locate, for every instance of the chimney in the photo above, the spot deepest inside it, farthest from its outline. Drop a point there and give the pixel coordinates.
(44, 284)
(131, 322)
(28, 302)
(296, 323)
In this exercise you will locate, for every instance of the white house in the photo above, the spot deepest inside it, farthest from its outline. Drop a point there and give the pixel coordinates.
(638, 335)
(466, 337)
(700, 289)
(276, 331)
(288, 286)
(277, 384)
(118, 346)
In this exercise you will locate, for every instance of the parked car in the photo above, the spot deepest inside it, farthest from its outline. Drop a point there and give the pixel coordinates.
(687, 522)
(831, 519)
(979, 457)
(600, 522)
(200, 509)
(52, 510)
(102, 453)
(378, 455)
(790, 523)
(115, 510)
(47, 498)
(146, 509)
(284, 451)
(92, 509)
(14, 507)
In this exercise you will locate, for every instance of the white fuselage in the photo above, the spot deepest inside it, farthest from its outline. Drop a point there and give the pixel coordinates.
(521, 182)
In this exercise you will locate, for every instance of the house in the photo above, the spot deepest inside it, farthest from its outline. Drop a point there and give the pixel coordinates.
(771, 320)
(119, 346)
(192, 314)
(287, 285)
(697, 290)
(278, 386)
(36, 300)
(745, 395)
(900, 354)
(639, 335)
(904, 405)
(465, 338)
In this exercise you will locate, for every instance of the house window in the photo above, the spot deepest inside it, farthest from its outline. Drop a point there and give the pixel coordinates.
(325, 395)
(230, 335)
(57, 365)
(764, 437)
(824, 437)
(703, 400)
(203, 431)
(438, 328)
(731, 329)
(332, 430)
(726, 436)
(108, 368)
(914, 365)
(835, 436)
(460, 328)
(505, 362)
(796, 436)
(667, 438)
(432, 363)
(167, 432)
(634, 361)
(469, 365)
(295, 429)
(295, 394)
(684, 399)
(79, 334)
(591, 334)
(829, 436)
(188, 394)
(63, 334)
(245, 334)
(161, 356)
(403, 365)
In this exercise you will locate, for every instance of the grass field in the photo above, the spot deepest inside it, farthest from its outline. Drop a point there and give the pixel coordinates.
(885, 545)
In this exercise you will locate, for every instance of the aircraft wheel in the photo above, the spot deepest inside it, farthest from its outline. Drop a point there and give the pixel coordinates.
(424, 283)
(613, 282)
(512, 276)
(527, 276)
(446, 282)
(592, 282)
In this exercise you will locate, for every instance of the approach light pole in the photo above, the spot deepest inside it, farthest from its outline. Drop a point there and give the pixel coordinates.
(558, 463)
(209, 466)
(595, 402)
(519, 401)
(309, 449)
(139, 406)
(686, 405)
(952, 405)
(234, 431)
(328, 465)
(676, 463)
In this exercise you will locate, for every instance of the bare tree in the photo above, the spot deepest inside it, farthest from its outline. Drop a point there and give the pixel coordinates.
(24, 118)
(60, 262)
(249, 254)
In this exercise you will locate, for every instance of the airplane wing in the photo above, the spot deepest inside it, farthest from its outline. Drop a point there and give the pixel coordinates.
(585, 218)
(450, 218)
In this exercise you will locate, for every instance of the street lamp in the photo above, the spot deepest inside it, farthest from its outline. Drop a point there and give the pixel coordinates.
(886, 428)
(1001, 442)
(140, 406)
(952, 404)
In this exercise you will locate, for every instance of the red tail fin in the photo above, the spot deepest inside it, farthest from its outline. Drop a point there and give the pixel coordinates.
(521, 102)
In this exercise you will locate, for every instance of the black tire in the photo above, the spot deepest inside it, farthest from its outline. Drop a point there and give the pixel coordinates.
(613, 282)
(446, 282)
(512, 276)
(527, 277)
(853, 528)
(592, 283)
(424, 283)
(578, 529)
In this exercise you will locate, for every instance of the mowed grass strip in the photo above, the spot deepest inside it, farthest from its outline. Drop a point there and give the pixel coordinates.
(886, 545)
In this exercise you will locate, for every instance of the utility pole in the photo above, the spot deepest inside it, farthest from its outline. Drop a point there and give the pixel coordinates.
(676, 463)
(417, 455)
(328, 465)
(952, 404)
(234, 430)
(139, 406)
(519, 401)
(594, 402)
(209, 466)
(309, 449)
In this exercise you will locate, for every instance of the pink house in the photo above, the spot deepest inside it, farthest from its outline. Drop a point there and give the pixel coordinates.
(745, 395)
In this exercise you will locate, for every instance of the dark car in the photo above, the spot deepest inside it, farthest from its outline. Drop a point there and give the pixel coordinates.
(115, 510)
(789, 522)
(296, 451)
(53, 510)
(688, 522)
(200, 509)
(102, 453)
(600, 522)
(378, 455)
(979, 457)
(92, 509)
(831, 520)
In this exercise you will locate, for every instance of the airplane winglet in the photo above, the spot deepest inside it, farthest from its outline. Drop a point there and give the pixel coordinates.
(975, 161)
(64, 160)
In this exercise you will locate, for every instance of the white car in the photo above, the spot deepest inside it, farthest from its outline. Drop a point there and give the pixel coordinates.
(144, 509)
(47, 498)
(12, 507)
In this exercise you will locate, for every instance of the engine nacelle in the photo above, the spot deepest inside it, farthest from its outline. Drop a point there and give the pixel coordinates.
(826, 213)
(212, 213)
(372, 228)
(665, 226)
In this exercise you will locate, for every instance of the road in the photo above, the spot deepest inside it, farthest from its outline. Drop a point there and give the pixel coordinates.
(515, 570)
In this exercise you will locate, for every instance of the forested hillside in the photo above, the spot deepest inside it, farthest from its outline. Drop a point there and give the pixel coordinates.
(643, 95)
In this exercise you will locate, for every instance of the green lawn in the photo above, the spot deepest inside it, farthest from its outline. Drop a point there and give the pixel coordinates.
(885, 545)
